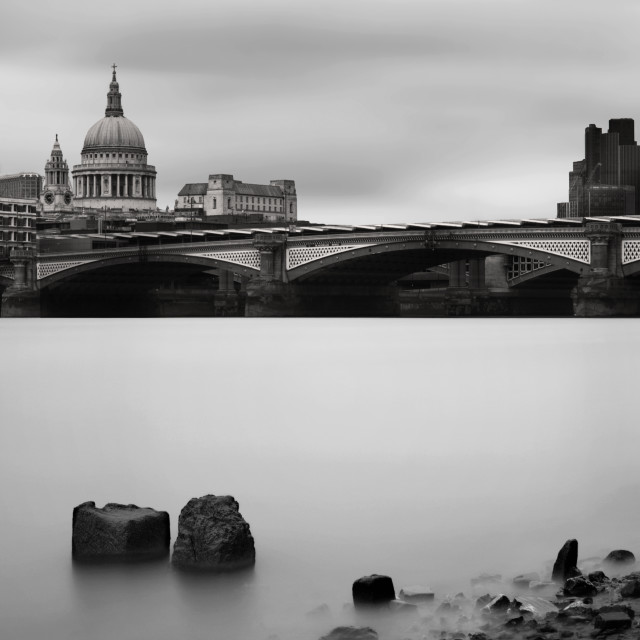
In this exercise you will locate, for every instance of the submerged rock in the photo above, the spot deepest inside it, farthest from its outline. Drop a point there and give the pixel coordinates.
(417, 593)
(119, 533)
(525, 579)
(351, 633)
(213, 536)
(566, 564)
(536, 606)
(620, 558)
(373, 590)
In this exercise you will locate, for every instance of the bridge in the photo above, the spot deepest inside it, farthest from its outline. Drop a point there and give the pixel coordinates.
(591, 263)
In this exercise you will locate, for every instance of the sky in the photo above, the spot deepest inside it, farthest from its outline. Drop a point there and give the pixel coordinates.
(380, 110)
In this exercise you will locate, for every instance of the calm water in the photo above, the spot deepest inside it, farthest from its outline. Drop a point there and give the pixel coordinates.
(430, 450)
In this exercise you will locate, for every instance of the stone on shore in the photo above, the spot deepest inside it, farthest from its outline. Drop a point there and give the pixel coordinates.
(351, 633)
(417, 594)
(119, 533)
(498, 603)
(213, 536)
(566, 564)
(579, 587)
(631, 589)
(613, 620)
(625, 608)
(536, 606)
(373, 590)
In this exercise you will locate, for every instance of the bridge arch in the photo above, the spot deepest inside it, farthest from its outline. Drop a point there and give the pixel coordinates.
(430, 254)
(93, 264)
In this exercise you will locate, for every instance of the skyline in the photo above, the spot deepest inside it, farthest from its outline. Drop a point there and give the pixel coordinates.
(381, 112)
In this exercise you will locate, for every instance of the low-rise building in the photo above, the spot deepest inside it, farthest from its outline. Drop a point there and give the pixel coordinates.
(223, 195)
(17, 223)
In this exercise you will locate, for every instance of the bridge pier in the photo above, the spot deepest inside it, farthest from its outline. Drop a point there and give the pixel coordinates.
(602, 291)
(226, 300)
(22, 298)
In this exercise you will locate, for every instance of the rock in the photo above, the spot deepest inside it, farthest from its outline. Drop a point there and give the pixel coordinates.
(516, 621)
(373, 590)
(597, 577)
(321, 611)
(416, 593)
(400, 606)
(578, 608)
(524, 579)
(538, 607)
(631, 589)
(486, 578)
(499, 603)
(351, 633)
(624, 608)
(483, 600)
(566, 564)
(536, 585)
(612, 620)
(478, 636)
(213, 536)
(119, 533)
(620, 557)
(579, 587)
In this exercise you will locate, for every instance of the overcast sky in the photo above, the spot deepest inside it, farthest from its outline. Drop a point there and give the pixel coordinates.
(380, 110)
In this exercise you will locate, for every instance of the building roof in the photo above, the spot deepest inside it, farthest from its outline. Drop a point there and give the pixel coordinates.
(194, 189)
(114, 132)
(265, 190)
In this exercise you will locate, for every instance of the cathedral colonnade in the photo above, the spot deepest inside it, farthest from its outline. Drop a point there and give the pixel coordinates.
(115, 185)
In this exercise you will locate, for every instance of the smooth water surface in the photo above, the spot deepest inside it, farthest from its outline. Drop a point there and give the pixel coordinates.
(430, 450)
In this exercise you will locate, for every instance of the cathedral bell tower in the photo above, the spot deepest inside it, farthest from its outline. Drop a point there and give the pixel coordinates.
(56, 193)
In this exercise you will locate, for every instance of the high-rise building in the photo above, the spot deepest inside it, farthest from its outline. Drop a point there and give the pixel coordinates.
(607, 181)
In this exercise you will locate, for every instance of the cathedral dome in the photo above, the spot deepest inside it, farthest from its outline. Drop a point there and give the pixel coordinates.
(114, 132)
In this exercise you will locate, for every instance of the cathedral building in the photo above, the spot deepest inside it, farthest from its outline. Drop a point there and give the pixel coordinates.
(114, 174)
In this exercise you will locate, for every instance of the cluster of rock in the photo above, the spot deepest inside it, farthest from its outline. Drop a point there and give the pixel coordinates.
(212, 534)
(582, 605)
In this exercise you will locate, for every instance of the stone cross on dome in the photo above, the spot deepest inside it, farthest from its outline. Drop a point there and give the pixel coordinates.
(114, 65)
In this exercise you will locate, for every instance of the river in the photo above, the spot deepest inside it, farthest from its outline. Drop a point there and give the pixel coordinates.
(430, 450)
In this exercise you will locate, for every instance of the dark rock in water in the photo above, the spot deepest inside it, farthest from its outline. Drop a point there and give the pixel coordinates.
(373, 590)
(619, 558)
(212, 535)
(351, 633)
(516, 621)
(119, 533)
(478, 636)
(566, 564)
(578, 608)
(597, 577)
(579, 587)
(613, 620)
(631, 589)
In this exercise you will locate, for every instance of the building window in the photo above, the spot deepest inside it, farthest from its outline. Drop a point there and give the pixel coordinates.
(291, 207)
(215, 203)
